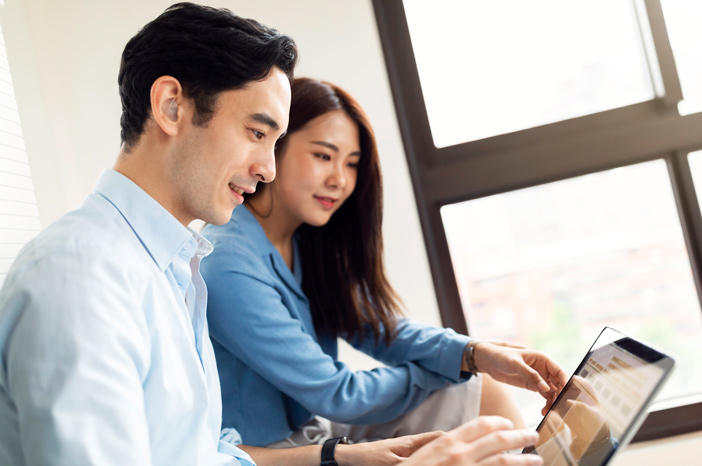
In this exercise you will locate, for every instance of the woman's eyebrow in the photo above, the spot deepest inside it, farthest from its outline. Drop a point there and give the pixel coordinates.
(331, 146)
(328, 145)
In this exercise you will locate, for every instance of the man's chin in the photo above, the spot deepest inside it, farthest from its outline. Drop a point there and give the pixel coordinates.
(219, 218)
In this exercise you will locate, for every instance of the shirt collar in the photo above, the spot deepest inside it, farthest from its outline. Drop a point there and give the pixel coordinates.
(161, 234)
(293, 279)
(246, 220)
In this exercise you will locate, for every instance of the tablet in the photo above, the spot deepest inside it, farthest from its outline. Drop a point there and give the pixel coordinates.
(604, 402)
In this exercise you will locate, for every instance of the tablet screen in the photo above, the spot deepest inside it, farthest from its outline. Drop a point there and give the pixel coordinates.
(601, 402)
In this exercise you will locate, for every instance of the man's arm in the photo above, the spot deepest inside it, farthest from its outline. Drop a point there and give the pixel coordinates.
(75, 362)
(384, 452)
(479, 442)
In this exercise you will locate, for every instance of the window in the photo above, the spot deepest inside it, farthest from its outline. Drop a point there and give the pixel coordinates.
(551, 265)
(513, 73)
(682, 18)
(551, 149)
(19, 217)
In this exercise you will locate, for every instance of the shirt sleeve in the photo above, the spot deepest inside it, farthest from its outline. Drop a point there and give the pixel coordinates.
(248, 317)
(239, 456)
(438, 350)
(75, 361)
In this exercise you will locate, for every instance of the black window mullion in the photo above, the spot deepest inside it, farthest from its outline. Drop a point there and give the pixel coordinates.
(554, 159)
(404, 81)
(420, 152)
(688, 206)
(664, 54)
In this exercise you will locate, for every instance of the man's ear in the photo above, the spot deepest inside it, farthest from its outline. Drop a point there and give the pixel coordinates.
(166, 94)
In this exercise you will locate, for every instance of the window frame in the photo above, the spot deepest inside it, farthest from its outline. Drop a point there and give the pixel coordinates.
(614, 138)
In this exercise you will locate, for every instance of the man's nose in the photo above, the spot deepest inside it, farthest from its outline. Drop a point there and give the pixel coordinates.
(264, 168)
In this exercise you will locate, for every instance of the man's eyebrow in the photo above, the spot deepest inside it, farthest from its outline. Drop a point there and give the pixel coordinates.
(265, 119)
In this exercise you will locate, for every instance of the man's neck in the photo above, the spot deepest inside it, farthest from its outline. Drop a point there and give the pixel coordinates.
(146, 167)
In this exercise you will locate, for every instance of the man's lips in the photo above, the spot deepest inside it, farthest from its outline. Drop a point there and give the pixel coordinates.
(239, 191)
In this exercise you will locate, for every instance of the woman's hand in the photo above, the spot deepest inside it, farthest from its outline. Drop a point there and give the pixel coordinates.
(480, 442)
(522, 368)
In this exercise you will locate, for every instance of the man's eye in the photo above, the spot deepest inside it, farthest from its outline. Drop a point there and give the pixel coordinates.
(258, 134)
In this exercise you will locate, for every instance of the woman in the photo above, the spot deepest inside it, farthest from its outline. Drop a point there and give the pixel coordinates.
(275, 333)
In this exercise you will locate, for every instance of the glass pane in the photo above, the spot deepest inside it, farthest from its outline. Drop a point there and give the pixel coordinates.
(551, 265)
(683, 18)
(493, 67)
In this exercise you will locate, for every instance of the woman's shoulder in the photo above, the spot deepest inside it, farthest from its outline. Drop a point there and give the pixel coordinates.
(239, 246)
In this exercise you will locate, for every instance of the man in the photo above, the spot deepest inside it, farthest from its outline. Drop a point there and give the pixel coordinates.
(104, 347)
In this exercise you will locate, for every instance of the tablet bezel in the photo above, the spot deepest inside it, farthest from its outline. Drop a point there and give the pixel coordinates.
(638, 349)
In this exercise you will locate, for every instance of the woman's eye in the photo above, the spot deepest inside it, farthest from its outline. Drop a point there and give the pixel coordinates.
(353, 164)
(323, 156)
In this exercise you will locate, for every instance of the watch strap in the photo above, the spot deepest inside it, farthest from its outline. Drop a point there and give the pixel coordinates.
(328, 450)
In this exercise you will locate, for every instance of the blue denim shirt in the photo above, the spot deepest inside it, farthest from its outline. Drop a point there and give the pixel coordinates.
(276, 371)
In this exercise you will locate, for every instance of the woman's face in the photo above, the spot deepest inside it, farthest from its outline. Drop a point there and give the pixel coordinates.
(317, 171)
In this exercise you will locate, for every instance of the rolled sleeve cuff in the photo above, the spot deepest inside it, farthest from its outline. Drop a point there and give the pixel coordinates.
(231, 450)
(450, 358)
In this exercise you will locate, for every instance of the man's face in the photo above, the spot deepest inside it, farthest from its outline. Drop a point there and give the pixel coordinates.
(212, 166)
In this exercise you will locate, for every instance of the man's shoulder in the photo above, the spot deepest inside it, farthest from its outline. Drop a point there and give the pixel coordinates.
(96, 233)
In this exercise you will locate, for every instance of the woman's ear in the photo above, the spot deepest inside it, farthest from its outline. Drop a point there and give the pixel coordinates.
(165, 92)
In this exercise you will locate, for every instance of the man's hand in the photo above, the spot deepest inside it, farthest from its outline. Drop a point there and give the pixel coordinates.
(522, 368)
(383, 452)
(477, 443)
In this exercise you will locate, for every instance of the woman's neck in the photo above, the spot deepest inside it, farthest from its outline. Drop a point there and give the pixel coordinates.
(277, 224)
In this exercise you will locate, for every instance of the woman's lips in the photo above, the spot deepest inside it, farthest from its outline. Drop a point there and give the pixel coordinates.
(327, 202)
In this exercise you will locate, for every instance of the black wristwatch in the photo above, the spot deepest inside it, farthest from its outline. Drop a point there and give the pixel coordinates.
(328, 450)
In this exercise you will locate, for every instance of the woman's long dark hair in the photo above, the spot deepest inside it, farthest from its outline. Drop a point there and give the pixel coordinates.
(342, 261)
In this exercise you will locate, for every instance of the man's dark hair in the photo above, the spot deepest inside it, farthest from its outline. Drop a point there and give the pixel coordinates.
(208, 50)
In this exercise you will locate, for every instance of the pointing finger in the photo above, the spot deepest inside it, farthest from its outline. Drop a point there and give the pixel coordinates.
(504, 440)
(480, 427)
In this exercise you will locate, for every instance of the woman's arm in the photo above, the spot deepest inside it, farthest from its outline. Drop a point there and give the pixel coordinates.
(435, 349)
(443, 351)
(249, 318)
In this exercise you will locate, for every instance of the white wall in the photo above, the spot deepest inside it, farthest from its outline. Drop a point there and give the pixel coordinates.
(64, 57)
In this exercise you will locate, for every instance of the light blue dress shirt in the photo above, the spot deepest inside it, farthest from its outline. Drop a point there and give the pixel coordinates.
(276, 371)
(105, 357)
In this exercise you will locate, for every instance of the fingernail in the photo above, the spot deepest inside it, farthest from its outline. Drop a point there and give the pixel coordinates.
(543, 386)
